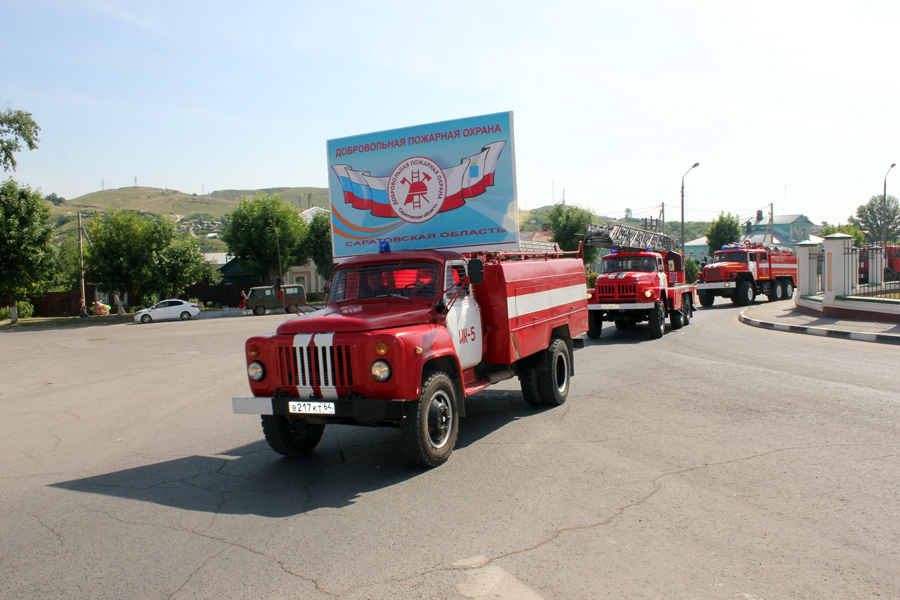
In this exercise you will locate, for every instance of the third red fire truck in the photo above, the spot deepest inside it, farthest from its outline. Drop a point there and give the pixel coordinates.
(741, 271)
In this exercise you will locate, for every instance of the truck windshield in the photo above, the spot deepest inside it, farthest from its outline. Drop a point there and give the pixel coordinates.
(385, 280)
(730, 257)
(629, 263)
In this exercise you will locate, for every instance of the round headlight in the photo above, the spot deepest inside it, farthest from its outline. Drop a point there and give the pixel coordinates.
(256, 371)
(648, 293)
(381, 370)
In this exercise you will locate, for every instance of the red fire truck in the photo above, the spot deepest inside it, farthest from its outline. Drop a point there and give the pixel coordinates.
(642, 279)
(741, 271)
(406, 337)
(891, 263)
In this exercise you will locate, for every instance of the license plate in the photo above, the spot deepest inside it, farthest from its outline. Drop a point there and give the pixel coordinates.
(311, 408)
(609, 306)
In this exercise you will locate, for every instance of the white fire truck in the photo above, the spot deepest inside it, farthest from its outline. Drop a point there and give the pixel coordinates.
(641, 279)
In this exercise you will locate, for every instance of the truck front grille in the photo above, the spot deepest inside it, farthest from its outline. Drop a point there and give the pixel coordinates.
(712, 274)
(617, 291)
(315, 366)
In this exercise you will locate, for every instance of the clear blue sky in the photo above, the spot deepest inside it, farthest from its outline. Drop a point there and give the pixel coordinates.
(791, 103)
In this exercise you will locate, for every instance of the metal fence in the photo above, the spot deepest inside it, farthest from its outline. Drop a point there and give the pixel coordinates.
(819, 256)
(869, 274)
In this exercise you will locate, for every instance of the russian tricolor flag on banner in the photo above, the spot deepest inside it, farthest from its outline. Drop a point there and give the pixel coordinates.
(470, 178)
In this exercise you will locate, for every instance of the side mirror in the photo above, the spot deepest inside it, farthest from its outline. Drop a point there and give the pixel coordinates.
(476, 271)
(441, 308)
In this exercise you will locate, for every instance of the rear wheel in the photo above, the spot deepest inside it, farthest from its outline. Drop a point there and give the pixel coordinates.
(185, 316)
(745, 293)
(595, 324)
(687, 307)
(259, 310)
(788, 290)
(429, 435)
(706, 298)
(291, 437)
(554, 386)
(776, 293)
(657, 322)
(888, 274)
(675, 319)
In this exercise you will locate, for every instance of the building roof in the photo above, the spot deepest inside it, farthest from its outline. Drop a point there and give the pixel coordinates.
(760, 237)
(700, 241)
(309, 213)
(217, 258)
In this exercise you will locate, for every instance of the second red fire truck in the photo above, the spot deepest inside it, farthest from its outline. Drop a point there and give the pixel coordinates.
(641, 279)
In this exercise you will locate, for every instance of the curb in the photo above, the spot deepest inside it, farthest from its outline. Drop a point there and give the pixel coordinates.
(859, 336)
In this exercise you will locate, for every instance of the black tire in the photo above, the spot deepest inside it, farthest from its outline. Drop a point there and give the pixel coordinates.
(657, 322)
(554, 385)
(185, 316)
(706, 298)
(788, 290)
(146, 319)
(777, 292)
(675, 319)
(595, 324)
(530, 390)
(687, 307)
(888, 274)
(745, 293)
(429, 434)
(291, 437)
(259, 310)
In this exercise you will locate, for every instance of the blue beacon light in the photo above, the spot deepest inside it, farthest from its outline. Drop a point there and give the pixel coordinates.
(383, 248)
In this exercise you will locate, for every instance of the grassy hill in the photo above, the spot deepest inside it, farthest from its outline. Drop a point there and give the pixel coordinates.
(172, 204)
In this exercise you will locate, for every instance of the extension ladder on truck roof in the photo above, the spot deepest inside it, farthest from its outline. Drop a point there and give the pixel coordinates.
(627, 238)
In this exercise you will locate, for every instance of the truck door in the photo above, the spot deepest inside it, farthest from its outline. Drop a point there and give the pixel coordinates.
(763, 266)
(751, 264)
(464, 318)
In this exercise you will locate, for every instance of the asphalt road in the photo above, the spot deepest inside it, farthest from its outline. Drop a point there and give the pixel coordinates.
(721, 461)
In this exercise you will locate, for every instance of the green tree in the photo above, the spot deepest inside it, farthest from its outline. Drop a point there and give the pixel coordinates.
(26, 242)
(67, 272)
(121, 257)
(691, 269)
(176, 266)
(569, 224)
(16, 127)
(318, 244)
(853, 230)
(251, 235)
(724, 230)
(878, 216)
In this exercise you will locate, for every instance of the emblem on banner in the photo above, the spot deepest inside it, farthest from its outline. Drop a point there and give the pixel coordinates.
(416, 189)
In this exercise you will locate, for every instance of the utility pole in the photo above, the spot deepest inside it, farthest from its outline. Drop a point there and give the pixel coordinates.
(884, 209)
(81, 257)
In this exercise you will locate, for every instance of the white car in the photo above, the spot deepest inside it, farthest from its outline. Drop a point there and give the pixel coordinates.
(168, 309)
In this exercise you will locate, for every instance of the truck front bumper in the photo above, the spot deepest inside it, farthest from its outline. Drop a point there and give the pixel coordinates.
(355, 409)
(621, 306)
(717, 285)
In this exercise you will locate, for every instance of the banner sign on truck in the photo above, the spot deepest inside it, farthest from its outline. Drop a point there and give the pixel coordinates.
(442, 185)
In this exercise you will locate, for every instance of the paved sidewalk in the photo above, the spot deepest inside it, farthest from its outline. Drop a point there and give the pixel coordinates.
(784, 316)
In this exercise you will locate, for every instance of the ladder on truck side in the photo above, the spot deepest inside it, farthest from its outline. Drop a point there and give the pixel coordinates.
(627, 238)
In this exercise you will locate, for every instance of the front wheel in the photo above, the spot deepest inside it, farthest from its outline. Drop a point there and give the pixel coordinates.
(146, 319)
(185, 316)
(595, 324)
(429, 434)
(706, 299)
(657, 322)
(745, 293)
(290, 437)
(555, 385)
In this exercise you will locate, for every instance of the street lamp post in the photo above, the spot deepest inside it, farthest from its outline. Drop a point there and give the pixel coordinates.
(884, 209)
(682, 204)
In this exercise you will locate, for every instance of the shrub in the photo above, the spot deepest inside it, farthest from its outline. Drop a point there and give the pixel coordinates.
(25, 310)
(592, 279)
(5, 313)
(691, 270)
